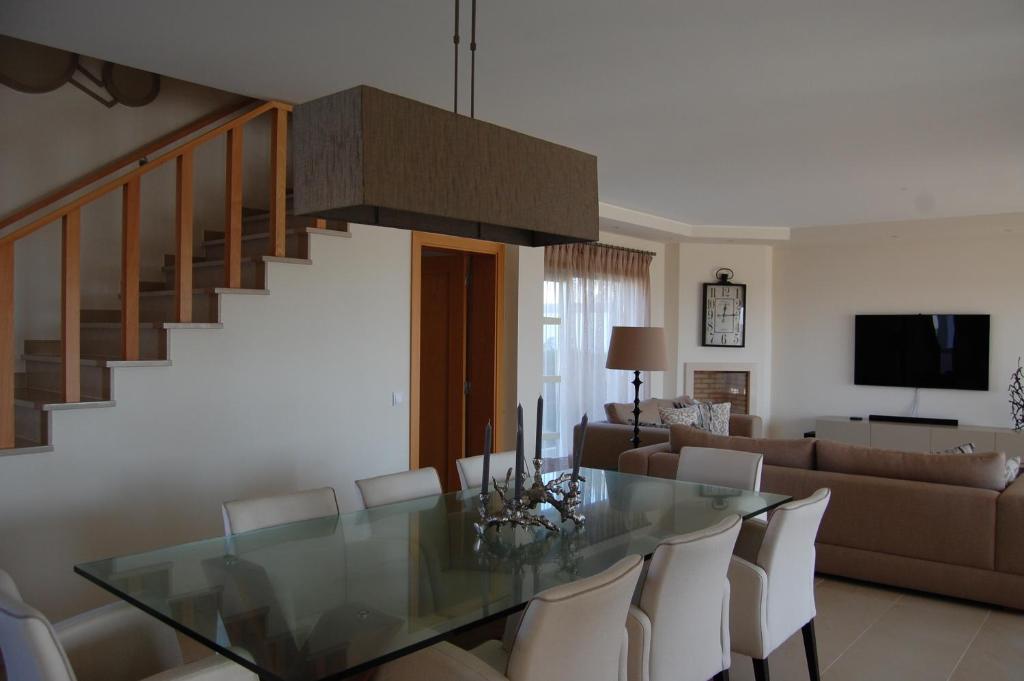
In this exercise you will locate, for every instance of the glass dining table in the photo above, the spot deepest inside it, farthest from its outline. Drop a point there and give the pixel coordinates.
(334, 597)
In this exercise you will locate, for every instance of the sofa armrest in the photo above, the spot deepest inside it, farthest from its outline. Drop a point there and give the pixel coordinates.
(637, 460)
(745, 425)
(1010, 528)
(606, 441)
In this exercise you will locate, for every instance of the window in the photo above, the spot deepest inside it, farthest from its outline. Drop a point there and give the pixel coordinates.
(588, 289)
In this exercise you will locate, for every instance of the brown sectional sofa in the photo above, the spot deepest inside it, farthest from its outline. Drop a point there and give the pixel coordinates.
(606, 441)
(937, 523)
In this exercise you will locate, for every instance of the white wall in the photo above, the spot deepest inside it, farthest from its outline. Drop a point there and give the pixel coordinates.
(293, 392)
(752, 265)
(530, 335)
(820, 287)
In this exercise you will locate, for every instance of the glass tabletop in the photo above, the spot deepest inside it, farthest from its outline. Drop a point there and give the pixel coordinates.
(333, 597)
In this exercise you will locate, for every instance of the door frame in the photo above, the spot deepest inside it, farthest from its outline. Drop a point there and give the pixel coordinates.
(421, 240)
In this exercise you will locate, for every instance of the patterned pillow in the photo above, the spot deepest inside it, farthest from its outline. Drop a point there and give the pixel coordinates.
(713, 418)
(965, 448)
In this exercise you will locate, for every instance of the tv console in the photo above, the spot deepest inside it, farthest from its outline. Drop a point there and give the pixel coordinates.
(914, 419)
(917, 436)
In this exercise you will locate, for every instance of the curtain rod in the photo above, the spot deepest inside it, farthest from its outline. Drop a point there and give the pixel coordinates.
(623, 248)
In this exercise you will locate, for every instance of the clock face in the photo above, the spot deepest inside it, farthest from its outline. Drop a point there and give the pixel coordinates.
(725, 315)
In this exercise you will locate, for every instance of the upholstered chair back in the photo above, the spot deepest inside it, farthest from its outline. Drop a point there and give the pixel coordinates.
(787, 557)
(396, 487)
(471, 468)
(31, 649)
(245, 515)
(722, 467)
(686, 600)
(576, 628)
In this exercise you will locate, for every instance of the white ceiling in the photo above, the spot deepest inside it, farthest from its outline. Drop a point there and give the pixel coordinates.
(709, 112)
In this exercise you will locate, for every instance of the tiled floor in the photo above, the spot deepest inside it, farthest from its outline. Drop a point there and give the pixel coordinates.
(871, 633)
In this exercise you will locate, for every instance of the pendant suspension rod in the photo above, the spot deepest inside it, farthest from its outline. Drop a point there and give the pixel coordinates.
(472, 67)
(455, 39)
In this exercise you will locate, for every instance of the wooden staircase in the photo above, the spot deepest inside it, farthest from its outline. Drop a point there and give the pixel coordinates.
(74, 371)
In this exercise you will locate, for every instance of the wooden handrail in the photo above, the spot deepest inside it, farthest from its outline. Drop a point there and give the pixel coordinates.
(122, 180)
(122, 161)
(129, 184)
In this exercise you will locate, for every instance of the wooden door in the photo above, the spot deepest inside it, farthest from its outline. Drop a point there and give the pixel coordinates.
(481, 348)
(442, 362)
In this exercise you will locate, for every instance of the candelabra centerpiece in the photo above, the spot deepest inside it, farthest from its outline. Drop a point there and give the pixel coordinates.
(516, 505)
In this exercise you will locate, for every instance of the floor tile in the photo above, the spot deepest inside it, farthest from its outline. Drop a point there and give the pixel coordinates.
(845, 612)
(919, 639)
(997, 653)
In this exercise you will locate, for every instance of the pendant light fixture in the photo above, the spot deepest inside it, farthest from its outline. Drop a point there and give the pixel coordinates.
(372, 157)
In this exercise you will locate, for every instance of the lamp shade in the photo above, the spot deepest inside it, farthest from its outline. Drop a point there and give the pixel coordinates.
(637, 348)
(372, 157)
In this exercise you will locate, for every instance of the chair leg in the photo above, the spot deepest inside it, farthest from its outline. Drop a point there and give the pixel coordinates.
(811, 648)
(722, 675)
(760, 670)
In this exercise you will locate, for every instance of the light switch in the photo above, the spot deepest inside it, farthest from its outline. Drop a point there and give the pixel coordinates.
(397, 399)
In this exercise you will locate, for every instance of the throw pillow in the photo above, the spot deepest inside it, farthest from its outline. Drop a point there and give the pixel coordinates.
(965, 448)
(713, 418)
(1012, 469)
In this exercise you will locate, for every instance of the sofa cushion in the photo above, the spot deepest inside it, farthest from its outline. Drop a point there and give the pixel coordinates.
(941, 523)
(789, 453)
(984, 471)
(622, 412)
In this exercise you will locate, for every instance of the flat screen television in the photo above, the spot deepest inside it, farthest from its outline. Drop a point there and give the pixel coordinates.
(922, 351)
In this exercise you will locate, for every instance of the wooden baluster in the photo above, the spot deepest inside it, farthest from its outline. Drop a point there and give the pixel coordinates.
(130, 270)
(233, 228)
(278, 179)
(183, 239)
(70, 306)
(7, 345)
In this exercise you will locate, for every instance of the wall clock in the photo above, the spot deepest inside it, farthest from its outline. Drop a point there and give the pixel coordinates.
(725, 308)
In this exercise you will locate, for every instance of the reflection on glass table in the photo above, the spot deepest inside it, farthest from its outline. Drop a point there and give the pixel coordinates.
(332, 597)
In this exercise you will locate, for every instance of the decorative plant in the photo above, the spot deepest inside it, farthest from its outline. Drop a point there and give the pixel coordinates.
(1017, 397)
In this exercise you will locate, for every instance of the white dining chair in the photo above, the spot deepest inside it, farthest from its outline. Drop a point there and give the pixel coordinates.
(114, 643)
(396, 487)
(772, 579)
(679, 630)
(245, 515)
(575, 632)
(471, 468)
(721, 467)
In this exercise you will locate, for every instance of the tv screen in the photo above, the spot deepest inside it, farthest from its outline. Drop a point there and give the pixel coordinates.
(922, 351)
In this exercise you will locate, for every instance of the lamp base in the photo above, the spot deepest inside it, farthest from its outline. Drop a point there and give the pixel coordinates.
(636, 409)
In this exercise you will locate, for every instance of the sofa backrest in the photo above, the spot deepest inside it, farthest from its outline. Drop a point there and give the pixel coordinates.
(984, 471)
(622, 412)
(789, 453)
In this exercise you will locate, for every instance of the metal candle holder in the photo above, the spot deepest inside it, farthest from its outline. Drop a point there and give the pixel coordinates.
(562, 493)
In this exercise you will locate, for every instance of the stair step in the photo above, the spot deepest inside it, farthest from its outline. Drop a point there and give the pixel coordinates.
(151, 285)
(37, 398)
(210, 273)
(296, 245)
(100, 316)
(170, 259)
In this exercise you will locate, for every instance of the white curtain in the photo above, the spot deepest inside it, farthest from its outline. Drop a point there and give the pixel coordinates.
(591, 288)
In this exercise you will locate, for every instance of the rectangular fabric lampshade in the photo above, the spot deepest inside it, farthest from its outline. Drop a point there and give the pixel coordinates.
(637, 348)
(368, 156)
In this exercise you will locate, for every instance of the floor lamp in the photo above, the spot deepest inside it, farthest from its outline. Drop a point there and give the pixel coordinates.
(636, 349)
